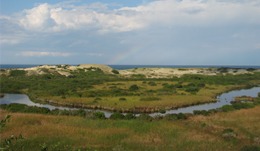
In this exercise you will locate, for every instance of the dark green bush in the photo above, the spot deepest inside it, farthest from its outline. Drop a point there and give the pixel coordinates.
(245, 105)
(162, 111)
(181, 116)
(117, 115)
(201, 112)
(250, 148)
(227, 108)
(99, 115)
(129, 116)
(115, 71)
(17, 73)
(133, 87)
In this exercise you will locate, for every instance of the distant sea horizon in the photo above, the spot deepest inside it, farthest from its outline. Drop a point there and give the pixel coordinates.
(122, 67)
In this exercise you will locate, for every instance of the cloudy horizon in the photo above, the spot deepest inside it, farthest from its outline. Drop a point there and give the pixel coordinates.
(147, 32)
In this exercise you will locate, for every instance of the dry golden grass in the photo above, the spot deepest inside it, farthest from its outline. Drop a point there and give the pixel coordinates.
(196, 133)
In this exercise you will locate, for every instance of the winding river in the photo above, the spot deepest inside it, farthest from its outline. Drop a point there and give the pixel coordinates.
(223, 99)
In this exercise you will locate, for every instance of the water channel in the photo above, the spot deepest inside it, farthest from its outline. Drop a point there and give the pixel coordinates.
(223, 99)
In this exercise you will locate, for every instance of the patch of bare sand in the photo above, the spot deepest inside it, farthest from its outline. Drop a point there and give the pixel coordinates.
(165, 72)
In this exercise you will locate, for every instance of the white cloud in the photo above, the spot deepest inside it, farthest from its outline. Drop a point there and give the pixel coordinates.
(36, 18)
(46, 17)
(97, 16)
(43, 54)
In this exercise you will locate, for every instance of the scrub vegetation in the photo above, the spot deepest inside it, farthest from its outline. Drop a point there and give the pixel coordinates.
(234, 127)
(93, 88)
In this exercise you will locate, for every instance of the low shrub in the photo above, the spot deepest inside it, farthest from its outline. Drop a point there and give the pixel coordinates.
(201, 112)
(227, 108)
(133, 87)
(181, 116)
(162, 111)
(17, 73)
(171, 117)
(98, 115)
(130, 116)
(250, 148)
(245, 105)
(145, 117)
(117, 115)
(115, 71)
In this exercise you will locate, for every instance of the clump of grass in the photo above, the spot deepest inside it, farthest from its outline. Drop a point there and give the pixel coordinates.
(229, 133)
(150, 99)
(122, 99)
(250, 148)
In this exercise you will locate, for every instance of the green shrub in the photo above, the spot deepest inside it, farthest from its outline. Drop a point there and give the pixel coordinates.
(17, 73)
(99, 115)
(133, 87)
(115, 71)
(227, 108)
(162, 111)
(245, 105)
(117, 115)
(201, 112)
(250, 148)
(129, 116)
(181, 116)
(171, 117)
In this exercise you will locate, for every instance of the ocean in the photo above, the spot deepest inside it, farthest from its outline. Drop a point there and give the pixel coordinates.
(122, 67)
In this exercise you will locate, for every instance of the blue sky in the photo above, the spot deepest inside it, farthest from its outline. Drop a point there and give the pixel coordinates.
(161, 32)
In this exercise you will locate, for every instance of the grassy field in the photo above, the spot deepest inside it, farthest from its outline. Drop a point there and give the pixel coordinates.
(145, 101)
(99, 90)
(237, 130)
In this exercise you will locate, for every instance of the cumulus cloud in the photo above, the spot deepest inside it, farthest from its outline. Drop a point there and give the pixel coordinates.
(46, 17)
(43, 54)
(164, 31)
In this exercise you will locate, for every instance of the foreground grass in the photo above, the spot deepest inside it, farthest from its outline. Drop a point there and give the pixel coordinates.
(195, 133)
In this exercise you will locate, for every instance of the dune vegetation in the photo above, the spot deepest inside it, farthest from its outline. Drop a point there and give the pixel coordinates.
(104, 88)
(231, 127)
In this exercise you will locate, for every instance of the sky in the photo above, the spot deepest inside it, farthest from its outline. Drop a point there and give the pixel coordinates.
(130, 32)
